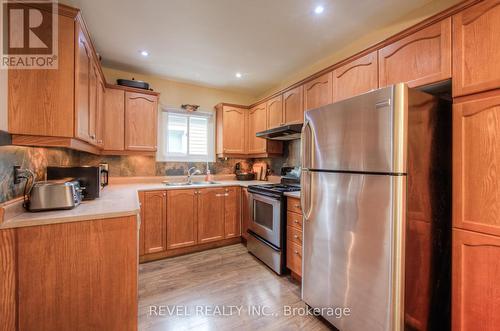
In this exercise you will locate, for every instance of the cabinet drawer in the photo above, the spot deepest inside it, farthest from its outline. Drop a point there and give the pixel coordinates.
(294, 220)
(294, 257)
(294, 235)
(293, 204)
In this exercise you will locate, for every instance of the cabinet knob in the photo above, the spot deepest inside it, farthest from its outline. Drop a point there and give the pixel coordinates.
(92, 137)
(296, 252)
(295, 236)
(297, 206)
(164, 194)
(295, 221)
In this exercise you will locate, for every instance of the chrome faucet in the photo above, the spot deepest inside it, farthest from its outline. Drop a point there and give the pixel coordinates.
(191, 172)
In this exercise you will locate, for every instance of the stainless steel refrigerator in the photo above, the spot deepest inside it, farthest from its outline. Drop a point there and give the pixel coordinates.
(376, 192)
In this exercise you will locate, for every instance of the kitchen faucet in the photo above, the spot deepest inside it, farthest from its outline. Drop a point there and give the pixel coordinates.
(191, 172)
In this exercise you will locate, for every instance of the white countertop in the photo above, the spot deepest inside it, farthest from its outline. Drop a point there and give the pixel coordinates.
(117, 200)
(293, 194)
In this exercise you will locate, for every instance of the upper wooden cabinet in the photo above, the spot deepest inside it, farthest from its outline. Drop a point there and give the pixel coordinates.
(114, 120)
(232, 212)
(210, 214)
(419, 59)
(293, 106)
(274, 108)
(83, 70)
(153, 222)
(476, 156)
(318, 92)
(476, 281)
(182, 218)
(256, 123)
(141, 121)
(232, 123)
(476, 53)
(356, 77)
(101, 95)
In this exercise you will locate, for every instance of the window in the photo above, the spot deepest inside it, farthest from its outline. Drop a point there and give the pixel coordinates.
(186, 136)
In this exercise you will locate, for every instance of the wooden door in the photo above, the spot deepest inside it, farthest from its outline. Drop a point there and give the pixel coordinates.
(82, 85)
(210, 215)
(245, 212)
(114, 120)
(476, 281)
(256, 123)
(293, 106)
(476, 48)
(101, 92)
(318, 92)
(275, 112)
(93, 103)
(182, 218)
(141, 121)
(476, 158)
(356, 77)
(41, 102)
(234, 130)
(419, 59)
(232, 212)
(154, 221)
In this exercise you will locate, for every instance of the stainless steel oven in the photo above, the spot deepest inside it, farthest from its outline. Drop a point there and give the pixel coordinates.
(266, 218)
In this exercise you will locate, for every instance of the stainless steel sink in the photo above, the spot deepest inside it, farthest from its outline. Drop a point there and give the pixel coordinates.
(190, 184)
(178, 184)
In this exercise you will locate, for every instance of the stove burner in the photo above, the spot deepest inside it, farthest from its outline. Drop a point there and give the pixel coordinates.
(279, 188)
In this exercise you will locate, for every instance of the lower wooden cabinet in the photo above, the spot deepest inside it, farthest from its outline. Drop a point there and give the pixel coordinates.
(210, 214)
(182, 219)
(245, 212)
(153, 231)
(476, 281)
(232, 212)
(294, 237)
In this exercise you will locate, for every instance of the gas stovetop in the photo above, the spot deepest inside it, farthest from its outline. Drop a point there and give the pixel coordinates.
(276, 189)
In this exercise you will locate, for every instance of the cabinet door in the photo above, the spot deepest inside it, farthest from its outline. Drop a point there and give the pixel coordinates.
(245, 212)
(101, 92)
(275, 112)
(318, 92)
(141, 121)
(181, 218)
(82, 86)
(234, 129)
(476, 158)
(293, 106)
(154, 221)
(476, 281)
(356, 77)
(232, 212)
(114, 120)
(210, 215)
(256, 123)
(93, 103)
(476, 53)
(419, 59)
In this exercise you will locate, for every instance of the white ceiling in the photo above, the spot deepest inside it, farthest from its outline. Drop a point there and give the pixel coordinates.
(207, 41)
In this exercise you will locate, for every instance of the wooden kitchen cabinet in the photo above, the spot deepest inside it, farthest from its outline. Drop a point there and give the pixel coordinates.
(419, 59)
(293, 105)
(476, 53)
(210, 214)
(153, 222)
(232, 212)
(274, 110)
(260, 147)
(141, 121)
(356, 77)
(245, 212)
(476, 155)
(232, 126)
(318, 92)
(182, 218)
(294, 237)
(476, 281)
(101, 94)
(114, 120)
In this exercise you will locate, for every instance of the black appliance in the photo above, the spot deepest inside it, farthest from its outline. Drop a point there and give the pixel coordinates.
(133, 83)
(243, 174)
(92, 179)
(285, 132)
(267, 226)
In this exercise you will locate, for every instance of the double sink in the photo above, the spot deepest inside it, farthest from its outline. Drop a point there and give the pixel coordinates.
(202, 183)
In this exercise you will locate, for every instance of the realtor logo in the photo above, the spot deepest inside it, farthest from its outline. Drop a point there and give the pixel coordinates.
(29, 34)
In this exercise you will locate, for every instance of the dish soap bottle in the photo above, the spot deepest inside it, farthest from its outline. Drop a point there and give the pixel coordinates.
(208, 177)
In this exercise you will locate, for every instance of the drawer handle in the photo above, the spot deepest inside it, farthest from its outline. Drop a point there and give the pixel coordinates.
(295, 221)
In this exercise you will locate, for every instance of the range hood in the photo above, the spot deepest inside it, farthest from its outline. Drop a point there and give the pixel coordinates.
(286, 132)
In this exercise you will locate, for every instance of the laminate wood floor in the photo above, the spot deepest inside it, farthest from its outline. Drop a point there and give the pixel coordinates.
(199, 291)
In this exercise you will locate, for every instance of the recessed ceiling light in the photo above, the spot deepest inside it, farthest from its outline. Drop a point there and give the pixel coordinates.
(238, 75)
(144, 53)
(319, 9)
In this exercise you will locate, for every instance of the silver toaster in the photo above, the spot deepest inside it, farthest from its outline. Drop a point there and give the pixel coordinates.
(55, 194)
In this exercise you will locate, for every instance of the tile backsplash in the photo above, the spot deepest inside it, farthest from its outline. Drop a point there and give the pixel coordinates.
(37, 159)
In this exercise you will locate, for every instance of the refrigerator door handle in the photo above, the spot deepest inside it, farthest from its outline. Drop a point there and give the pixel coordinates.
(306, 138)
(305, 194)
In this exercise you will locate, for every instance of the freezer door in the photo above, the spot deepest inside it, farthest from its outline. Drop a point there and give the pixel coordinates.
(366, 133)
(352, 244)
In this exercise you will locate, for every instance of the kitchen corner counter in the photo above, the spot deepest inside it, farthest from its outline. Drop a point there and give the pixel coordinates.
(293, 194)
(117, 200)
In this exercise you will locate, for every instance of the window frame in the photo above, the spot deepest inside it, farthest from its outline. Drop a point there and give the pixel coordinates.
(162, 154)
